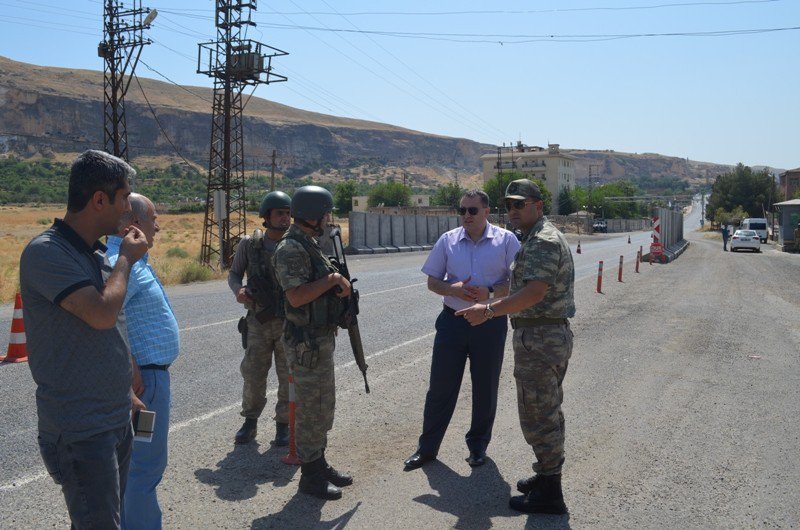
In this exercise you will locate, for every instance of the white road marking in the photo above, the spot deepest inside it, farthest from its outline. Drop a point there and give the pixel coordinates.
(192, 328)
(23, 481)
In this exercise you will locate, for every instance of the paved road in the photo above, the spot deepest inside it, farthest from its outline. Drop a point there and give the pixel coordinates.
(673, 420)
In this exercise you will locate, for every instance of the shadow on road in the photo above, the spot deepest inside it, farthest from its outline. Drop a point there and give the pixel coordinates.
(303, 511)
(477, 498)
(244, 469)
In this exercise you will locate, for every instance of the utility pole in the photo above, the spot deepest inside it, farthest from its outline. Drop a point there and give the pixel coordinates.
(120, 50)
(235, 63)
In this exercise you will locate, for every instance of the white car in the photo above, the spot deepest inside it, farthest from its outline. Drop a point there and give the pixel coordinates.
(745, 239)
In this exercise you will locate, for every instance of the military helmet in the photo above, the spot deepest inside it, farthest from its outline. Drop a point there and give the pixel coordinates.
(311, 203)
(272, 200)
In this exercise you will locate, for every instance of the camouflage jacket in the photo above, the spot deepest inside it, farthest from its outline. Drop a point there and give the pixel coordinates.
(545, 256)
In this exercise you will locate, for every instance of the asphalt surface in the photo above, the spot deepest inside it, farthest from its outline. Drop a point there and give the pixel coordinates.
(681, 403)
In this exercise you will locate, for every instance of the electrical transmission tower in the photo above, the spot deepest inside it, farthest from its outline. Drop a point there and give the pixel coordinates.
(234, 62)
(120, 49)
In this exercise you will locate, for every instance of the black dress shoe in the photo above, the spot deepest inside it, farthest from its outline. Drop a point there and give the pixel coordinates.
(417, 460)
(476, 458)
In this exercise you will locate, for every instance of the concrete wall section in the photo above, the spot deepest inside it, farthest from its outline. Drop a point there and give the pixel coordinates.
(410, 227)
(358, 234)
(386, 233)
(373, 225)
(433, 229)
(453, 222)
(422, 232)
(399, 233)
(444, 224)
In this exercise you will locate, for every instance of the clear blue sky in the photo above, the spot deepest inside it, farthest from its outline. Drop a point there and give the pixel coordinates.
(726, 99)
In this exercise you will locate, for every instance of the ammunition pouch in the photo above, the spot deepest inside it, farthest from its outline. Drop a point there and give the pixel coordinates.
(303, 343)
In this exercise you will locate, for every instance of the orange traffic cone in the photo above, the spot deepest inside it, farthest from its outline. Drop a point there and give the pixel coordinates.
(17, 352)
(578, 250)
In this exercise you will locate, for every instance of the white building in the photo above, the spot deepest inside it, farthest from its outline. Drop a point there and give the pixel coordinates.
(551, 166)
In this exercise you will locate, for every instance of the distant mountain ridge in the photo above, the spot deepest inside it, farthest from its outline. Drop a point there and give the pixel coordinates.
(46, 111)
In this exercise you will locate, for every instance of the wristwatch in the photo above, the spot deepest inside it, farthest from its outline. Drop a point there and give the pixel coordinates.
(488, 313)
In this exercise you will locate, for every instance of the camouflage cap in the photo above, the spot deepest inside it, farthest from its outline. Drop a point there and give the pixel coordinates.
(523, 189)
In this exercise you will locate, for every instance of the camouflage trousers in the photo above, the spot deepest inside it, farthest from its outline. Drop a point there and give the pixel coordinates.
(541, 356)
(315, 394)
(262, 341)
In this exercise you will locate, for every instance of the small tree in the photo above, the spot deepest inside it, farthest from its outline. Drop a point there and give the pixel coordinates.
(448, 195)
(495, 188)
(343, 196)
(566, 203)
(390, 194)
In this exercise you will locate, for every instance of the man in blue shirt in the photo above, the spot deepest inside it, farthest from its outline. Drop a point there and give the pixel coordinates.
(468, 264)
(153, 336)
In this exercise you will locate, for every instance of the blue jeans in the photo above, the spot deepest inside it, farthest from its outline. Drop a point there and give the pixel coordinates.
(92, 474)
(140, 506)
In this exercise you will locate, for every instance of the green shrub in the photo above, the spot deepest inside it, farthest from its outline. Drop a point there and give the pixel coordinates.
(177, 252)
(195, 272)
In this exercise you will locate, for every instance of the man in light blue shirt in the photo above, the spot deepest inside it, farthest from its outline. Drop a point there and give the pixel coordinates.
(468, 264)
(155, 344)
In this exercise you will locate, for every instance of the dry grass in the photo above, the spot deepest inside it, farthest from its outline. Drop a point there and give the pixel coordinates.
(174, 255)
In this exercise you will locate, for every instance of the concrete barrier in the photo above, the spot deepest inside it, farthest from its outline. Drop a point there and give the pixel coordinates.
(433, 229)
(410, 229)
(444, 225)
(422, 232)
(453, 222)
(399, 233)
(386, 233)
(373, 229)
(357, 243)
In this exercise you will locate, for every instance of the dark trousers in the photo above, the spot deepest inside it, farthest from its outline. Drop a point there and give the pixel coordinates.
(92, 473)
(456, 341)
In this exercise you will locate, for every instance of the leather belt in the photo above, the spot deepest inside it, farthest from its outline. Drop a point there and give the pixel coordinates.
(532, 322)
(154, 367)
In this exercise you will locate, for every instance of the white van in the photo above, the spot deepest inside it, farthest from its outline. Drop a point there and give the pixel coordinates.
(759, 224)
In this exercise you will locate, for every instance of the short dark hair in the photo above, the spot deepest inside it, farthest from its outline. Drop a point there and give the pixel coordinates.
(95, 171)
(477, 193)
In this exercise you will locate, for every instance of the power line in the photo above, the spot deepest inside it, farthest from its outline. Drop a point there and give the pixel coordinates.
(425, 80)
(174, 83)
(158, 122)
(511, 38)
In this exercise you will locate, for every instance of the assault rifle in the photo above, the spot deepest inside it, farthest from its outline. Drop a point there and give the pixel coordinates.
(348, 318)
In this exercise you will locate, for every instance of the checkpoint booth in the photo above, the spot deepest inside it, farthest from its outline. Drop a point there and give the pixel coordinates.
(788, 218)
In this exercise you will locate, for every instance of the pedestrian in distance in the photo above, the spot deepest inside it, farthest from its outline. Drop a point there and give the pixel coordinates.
(313, 290)
(725, 236)
(466, 265)
(155, 344)
(77, 340)
(540, 302)
(262, 327)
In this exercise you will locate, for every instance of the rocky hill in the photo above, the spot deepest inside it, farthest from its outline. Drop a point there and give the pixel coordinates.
(56, 112)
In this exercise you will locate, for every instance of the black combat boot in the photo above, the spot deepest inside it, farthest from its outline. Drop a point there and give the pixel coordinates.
(314, 482)
(336, 478)
(248, 431)
(544, 496)
(525, 485)
(281, 434)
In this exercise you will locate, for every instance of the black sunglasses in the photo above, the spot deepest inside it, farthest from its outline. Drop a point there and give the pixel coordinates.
(517, 204)
(473, 210)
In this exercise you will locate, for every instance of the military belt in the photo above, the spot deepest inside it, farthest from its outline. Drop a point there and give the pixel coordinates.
(154, 367)
(532, 322)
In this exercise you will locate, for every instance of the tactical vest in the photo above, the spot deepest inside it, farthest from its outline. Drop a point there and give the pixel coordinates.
(261, 276)
(325, 310)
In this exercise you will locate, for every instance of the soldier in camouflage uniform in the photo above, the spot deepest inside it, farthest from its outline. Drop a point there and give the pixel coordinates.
(541, 300)
(312, 300)
(262, 328)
